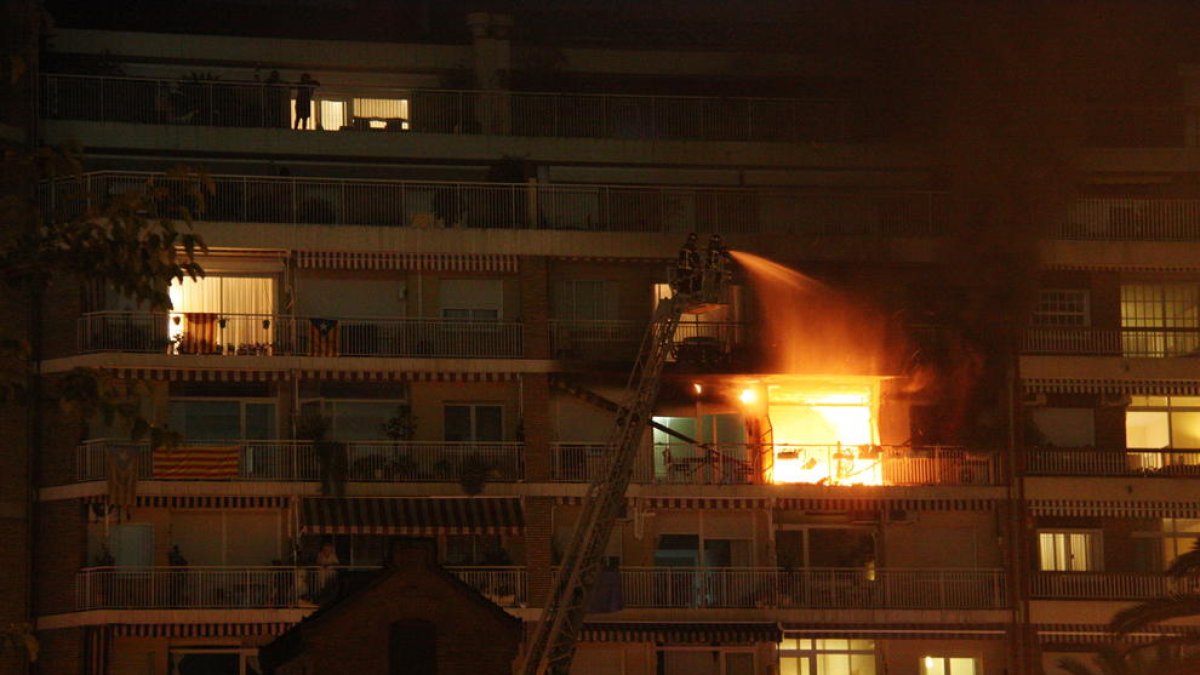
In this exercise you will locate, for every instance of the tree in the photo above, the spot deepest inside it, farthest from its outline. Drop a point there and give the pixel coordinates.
(57, 230)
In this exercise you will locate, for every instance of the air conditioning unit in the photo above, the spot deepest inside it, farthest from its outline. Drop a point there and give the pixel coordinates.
(1034, 399)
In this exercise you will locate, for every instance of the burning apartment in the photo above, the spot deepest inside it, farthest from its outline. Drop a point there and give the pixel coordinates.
(928, 430)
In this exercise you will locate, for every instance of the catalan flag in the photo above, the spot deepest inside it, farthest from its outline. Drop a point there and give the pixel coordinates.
(323, 337)
(196, 463)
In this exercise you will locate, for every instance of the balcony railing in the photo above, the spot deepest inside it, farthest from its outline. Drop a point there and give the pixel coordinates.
(554, 115)
(595, 208)
(741, 464)
(368, 461)
(194, 587)
(191, 333)
(1128, 342)
(1113, 462)
(832, 588)
(1108, 586)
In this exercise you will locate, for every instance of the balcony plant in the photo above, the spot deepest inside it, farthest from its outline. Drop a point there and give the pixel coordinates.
(331, 455)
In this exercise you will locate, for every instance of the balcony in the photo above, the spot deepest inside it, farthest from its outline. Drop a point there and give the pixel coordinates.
(811, 588)
(741, 464)
(366, 461)
(605, 340)
(1108, 586)
(461, 112)
(1144, 343)
(195, 587)
(197, 333)
(540, 206)
(1112, 462)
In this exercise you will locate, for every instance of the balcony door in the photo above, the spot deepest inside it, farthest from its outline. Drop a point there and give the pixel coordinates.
(222, 313)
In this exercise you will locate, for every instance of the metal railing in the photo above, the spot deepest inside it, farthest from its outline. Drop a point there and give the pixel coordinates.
(273, 335)
(1109, 585)
(832, 588)
(594, 208)
(472, 112)
(368, 461)
(741, 464)
(196, 587)
(1129, 342)
(1113, 462)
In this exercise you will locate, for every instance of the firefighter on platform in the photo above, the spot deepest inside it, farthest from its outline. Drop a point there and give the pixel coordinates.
(715, 260)
(687, 267)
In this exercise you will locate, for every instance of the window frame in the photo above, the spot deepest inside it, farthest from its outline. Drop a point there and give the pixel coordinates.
(976, 663)
(813, 653)
(1095, 545)
(243, 654)
(473, 424)
(1045, 297)
(724, 651)
(243, 402)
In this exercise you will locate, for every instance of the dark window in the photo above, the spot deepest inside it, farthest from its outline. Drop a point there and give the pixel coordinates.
(412, 648)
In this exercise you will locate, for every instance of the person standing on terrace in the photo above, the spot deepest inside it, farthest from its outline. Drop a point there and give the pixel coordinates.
(304, 99)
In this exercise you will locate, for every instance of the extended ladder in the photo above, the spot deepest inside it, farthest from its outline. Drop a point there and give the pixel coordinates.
(553, 644)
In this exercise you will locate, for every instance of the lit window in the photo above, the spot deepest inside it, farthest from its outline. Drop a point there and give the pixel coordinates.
(1159, 320)
(222, 312)
(382, 113)
(802, 656)
(1157, 423)
(949, 665)
(1070, 551)
(1061, 307)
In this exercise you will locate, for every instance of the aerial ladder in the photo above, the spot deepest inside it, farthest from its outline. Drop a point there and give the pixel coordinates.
(553, 644)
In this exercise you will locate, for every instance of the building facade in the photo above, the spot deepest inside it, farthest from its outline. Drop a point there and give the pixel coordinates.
(422, 301)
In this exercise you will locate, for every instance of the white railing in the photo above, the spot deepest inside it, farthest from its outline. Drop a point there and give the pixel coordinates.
(597, 208)
(1132, 218)
(592, 340)
(733, 463)
(505, 586)
(190, 333)
(1128, 342)
(556, 115)
(1109, 585)
(1113, 462)
(196, 587)
(833, 588)
(368, 461)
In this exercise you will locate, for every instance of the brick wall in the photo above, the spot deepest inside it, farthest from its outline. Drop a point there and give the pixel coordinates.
(535, 307)
(538, 426)
(60, 550)
(539, 532)
(354, 638)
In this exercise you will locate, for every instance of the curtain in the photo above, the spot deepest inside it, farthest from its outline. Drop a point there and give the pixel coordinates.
(244, 309)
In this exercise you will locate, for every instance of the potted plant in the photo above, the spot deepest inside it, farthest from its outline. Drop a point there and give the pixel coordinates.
(331, 455)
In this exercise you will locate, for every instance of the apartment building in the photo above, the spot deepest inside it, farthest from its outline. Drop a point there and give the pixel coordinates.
(422, 302)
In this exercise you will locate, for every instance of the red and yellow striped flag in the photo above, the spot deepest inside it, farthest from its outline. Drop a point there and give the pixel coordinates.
(196, 463)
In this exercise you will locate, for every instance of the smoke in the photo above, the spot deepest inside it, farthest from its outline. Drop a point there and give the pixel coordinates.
(809, 328)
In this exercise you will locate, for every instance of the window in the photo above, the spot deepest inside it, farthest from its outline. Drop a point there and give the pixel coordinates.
(223, 419)
(1061, 307)
(471, 299)
(1064, 427)
(1070, 551)
(222, 311)
(585, 300)
(390, 114)
(684, 661)
(1175, 537)
(216, 661)
(473, 422)
(1162, 422)
(351, 420)
(949, 665)
(132, 545)
(474, 549)
(1159, 320)
(801, 656)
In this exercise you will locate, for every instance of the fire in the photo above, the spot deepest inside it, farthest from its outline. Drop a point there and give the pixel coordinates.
(818, 430)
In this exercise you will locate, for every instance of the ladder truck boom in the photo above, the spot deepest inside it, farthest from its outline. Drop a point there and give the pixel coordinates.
(553, 644)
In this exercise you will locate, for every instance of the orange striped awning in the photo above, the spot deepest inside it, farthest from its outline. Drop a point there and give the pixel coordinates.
(731, 633)
(412, 517)
(415, 262)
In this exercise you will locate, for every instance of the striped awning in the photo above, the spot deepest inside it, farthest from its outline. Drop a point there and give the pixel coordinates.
(683, 633)
(1093, 634)
(1111, 386)
(415, 262)
(901, 631)
(412, 517)
(196, 630)
(201, 501)
(1109, 508)
(350, 372)
(826, 504)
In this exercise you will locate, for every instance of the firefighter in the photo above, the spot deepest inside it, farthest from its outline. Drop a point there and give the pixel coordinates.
(714, 261)
(687, 266)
